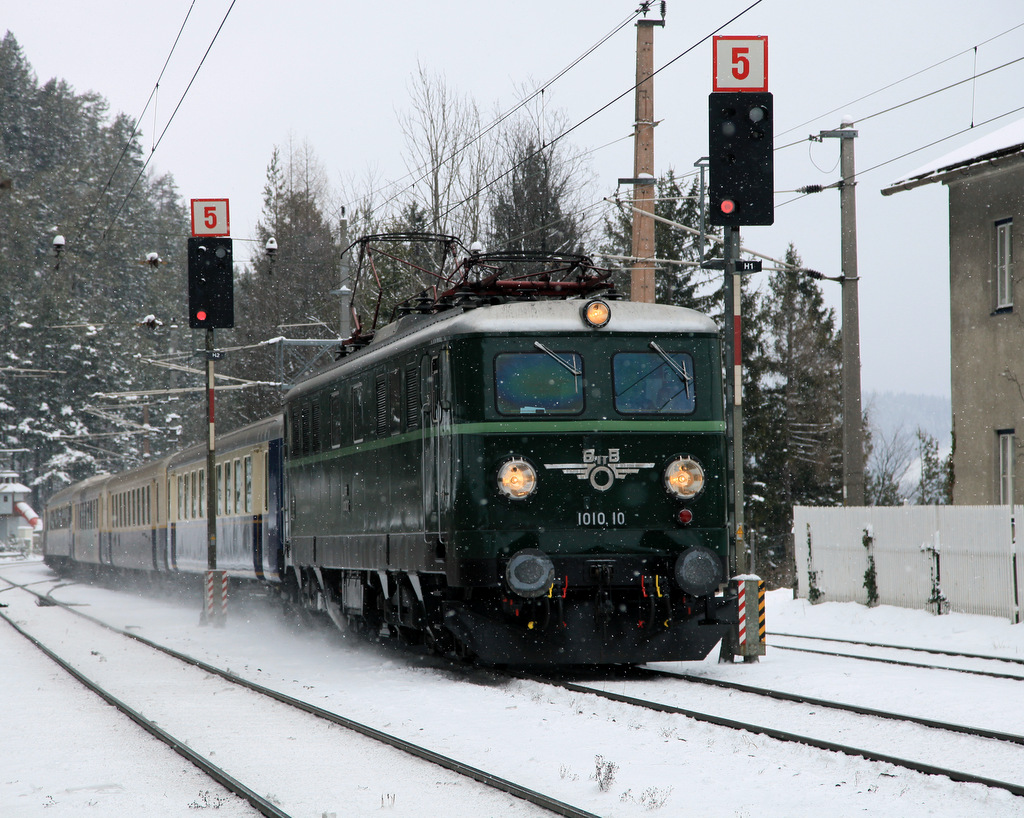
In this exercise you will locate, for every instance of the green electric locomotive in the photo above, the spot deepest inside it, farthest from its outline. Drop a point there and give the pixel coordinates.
(518, 470)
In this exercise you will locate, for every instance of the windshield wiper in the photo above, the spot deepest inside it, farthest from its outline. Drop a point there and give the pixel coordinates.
(680, 372)
(562, 361)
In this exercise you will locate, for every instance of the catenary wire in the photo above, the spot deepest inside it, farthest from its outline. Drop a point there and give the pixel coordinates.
(899, 81)
(177, 107)
(911, 152)
(137, 124)
(600, 110)
(503, 116)
(973, 78)
(939, 91)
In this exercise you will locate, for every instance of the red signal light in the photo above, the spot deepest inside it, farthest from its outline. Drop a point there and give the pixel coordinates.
(685, 517)
(728, 206)
(201, 315)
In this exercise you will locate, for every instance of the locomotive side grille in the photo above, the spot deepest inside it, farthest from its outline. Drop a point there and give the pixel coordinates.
(382, 406)
(294, 427)
(335, 420)
(305, 430)
(315, 426)
(412, 398)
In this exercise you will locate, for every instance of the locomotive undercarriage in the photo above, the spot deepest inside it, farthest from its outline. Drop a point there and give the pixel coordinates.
(600, 622)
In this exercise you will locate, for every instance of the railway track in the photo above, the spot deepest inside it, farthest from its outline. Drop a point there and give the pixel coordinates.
(778, 695)
(266, 806)
(263, 805)
(563, 729)
(896, 650)
(934, 731)
(911, 648)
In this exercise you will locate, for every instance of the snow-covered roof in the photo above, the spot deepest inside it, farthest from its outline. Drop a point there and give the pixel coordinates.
(14, 488)
(1002, 143)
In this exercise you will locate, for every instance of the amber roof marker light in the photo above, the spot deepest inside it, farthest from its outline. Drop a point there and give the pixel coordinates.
(596, 314)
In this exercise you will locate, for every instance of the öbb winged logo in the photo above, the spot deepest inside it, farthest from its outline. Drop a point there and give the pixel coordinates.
(600, 470)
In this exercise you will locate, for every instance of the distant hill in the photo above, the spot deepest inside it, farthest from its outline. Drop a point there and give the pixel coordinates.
(892, 412)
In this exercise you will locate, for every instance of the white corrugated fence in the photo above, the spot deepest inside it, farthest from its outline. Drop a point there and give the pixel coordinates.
(938, 558)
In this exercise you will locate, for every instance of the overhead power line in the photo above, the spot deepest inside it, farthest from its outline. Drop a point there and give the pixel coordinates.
(973, 78)
(600, 110)
(135, 128)
(819, 188)
(163, 133)
(519, 106)
(815, 188)
(898, 82)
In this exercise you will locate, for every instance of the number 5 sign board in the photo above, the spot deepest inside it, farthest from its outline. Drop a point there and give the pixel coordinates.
(740, 63)
(210, 217)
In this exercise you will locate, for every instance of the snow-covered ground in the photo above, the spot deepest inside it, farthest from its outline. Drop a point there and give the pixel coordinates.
(63, 752)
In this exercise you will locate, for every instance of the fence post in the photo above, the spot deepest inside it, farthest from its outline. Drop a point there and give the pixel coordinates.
(938, 599)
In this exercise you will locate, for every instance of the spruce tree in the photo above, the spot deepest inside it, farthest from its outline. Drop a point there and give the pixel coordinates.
(794, 439)
(528, 211)
(287, 294)
(934, 483)
(683, 285)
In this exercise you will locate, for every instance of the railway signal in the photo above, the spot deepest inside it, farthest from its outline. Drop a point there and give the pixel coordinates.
(740, 151)
(741, 192)
(211, 299)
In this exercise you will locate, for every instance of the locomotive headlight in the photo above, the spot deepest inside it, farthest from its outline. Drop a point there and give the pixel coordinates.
(698, 571)
(596, 313)
(530, 573)
(517, 479)
(684, 478)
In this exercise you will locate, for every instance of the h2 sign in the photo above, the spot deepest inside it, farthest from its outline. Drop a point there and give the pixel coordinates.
(210, 217)
(740, 64)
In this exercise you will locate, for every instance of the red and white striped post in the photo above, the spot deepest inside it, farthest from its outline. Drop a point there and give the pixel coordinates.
(751, 627)
(742, 626)
(216, 608)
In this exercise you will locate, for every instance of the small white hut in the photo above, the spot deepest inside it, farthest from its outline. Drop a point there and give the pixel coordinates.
(18, 521)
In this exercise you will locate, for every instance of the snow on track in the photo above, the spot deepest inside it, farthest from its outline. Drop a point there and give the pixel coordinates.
(65, 753)
(550, 739)
(299, 762)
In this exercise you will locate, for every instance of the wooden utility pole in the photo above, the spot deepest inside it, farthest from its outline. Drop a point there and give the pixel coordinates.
(642, 279)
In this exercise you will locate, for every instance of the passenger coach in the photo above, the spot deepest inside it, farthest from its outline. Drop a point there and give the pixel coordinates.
(154, 518)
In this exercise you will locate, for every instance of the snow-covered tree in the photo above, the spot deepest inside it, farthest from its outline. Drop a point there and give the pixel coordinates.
(289, 293)
(71, 325)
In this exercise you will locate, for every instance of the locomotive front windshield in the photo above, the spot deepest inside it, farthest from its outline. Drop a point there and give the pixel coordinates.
(545, 382)
(653, 382)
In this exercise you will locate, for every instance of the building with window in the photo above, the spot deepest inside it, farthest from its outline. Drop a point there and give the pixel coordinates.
(985, 180)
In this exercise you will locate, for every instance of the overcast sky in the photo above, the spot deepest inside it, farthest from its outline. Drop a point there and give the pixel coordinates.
(335, 74)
